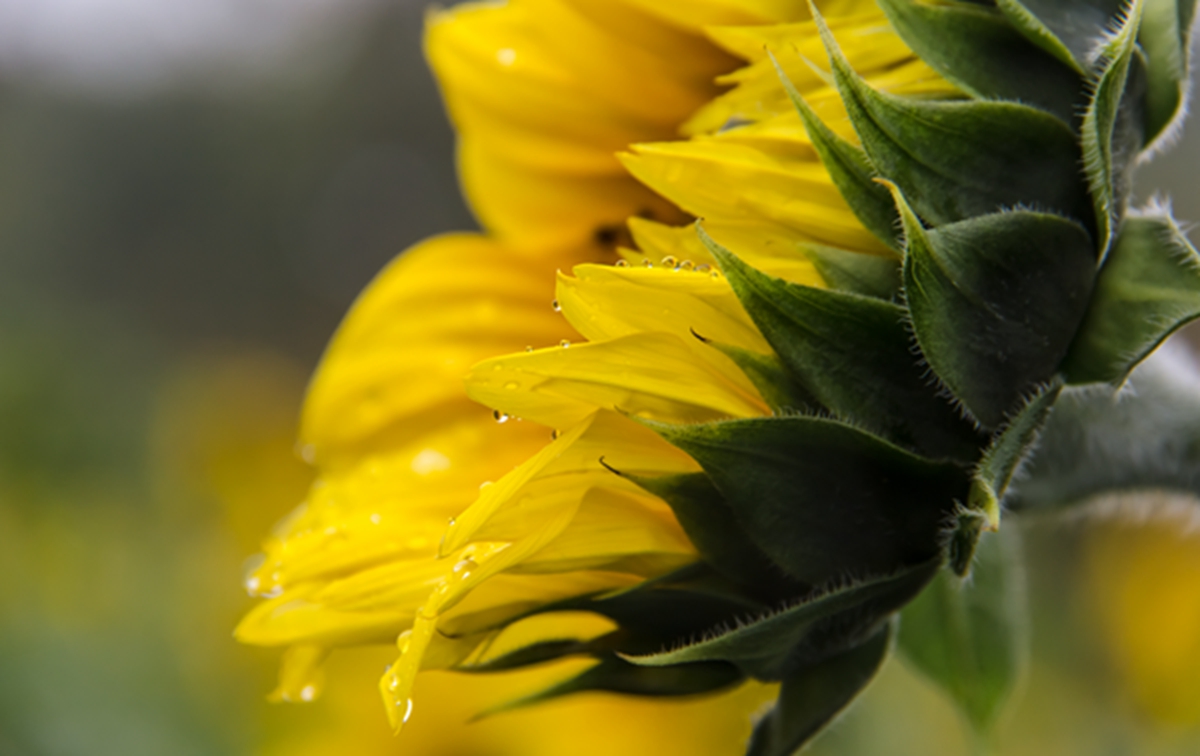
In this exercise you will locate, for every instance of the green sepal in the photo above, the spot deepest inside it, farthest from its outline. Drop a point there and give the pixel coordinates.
(960, 159)
(676, 605)
(995, 302)
(857, 273)
(969, 525)
(1068, 29)
(853, 354)
(1148, 288)
(977, 49)
(811, 698)
(614, 675)
(1009, 448)
(661, 610)
(713, 529)
(1110, 133)
(850, 170)
(969, 636)
(1165, 43)
(778, 387)
(777, 645)
(821, 498)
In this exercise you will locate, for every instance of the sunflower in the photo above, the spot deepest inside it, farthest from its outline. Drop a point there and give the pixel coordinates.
(733, 451)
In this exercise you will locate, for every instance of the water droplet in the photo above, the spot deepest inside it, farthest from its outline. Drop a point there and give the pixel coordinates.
(275, 592)
(464, 567)
(252, 585)
(528, 349)
(484, 484)
(553, 435)
(715, 274)
(647, 263)
(407, 709)
(703, 268)
(685, 265)
(308, 693)
(402, 642)
(512, 386)
(564, 343)
(669, 262)
(556, 306)
(622, 263)
(375, 518)
(501, 417)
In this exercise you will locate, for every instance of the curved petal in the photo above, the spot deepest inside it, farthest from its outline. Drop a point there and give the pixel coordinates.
(393, 371)
(653, 375)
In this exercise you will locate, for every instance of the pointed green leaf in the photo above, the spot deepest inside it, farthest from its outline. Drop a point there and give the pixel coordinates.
(853, 354)
(1148, 288)
(1111, 134)
(711, 526)
(615, 675)
(976, 48)
(850, 170)
(673, 606)
(961, 159)
(969, 525)
(1106, 442)
(776, 645)
(1069, 29)
(1035, 30)
(1008, 449)
(821, 498)
(969, 636)
(810, 699)
(777, 386)
(856, 273)
(995, 302)
(1166, 46)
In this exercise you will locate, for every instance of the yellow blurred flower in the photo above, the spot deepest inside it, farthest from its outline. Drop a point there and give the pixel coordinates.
(590, 130)
(1145, 581)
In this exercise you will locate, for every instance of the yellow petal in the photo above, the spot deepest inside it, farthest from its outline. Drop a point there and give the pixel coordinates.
(393, 505)
(723, 181)
(652, 375)
(698, 14)
(542, 211)
(293, 619)
(393, 370)
(618, 531)
(605, 302)
(556, 479)
(543, 92)
(301, 674)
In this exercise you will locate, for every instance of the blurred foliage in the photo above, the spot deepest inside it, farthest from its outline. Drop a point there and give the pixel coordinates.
(171, 264)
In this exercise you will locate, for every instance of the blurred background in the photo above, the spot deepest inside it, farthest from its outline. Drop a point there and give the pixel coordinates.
(192, 192)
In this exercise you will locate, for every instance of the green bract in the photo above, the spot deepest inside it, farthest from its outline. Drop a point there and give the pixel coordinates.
(909, 392)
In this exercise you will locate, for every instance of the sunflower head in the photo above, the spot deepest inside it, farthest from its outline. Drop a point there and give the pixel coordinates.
(861, 250)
